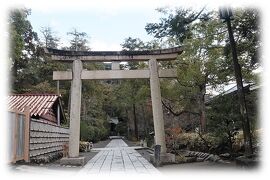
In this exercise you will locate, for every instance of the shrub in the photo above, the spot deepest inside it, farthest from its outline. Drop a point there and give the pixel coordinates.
(192, 142)
(87, 132)
(91, 133)
(103, 133)
(84, 146)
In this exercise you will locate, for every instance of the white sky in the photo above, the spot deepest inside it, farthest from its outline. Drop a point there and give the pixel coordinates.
(107, 22)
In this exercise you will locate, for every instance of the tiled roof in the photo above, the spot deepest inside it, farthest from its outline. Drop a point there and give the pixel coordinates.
(39, 103)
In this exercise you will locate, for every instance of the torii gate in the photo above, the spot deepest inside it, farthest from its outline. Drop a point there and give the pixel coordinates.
(77, 74)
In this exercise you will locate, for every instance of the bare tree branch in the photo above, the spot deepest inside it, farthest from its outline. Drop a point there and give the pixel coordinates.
(168, 107)
(197, 16)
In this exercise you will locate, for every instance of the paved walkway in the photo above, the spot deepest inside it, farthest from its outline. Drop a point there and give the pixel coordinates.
(118, 158)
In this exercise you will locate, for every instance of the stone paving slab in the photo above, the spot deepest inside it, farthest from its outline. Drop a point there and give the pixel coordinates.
(118, 158)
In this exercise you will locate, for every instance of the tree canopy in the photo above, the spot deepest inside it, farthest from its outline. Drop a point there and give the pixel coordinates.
(205, 63)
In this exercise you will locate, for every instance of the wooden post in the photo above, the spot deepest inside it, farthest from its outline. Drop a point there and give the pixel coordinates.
(26, 133)
(157, 155)
(58, 114)
(58, 107)
(58, 88)
(15, 137)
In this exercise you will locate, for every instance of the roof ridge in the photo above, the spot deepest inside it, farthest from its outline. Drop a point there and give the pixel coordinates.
(34, 94)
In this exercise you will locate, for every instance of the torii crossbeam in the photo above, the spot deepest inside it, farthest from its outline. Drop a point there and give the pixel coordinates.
(77, 74)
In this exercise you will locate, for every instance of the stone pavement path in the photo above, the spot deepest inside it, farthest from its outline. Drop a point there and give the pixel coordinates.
(118, 158)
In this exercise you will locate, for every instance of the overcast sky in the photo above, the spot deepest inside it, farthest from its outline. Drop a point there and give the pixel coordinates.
(107, 30)
(106, 22)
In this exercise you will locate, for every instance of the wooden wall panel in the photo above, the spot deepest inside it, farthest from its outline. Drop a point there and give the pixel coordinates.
(46, 138)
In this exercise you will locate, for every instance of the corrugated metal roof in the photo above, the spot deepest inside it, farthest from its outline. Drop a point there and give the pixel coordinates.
(234, 88)
(39, 103)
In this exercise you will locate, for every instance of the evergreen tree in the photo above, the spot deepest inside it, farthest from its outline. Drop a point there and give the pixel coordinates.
(24, 49)
(203, 62)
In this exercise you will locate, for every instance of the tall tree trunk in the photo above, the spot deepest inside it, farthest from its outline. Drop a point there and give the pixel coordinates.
(135, 123)
(241, 95)
(69, 100)
(202, 108)
(14, 75)
(128, 125)
(15, 69)
(144, 121)
(84, 108)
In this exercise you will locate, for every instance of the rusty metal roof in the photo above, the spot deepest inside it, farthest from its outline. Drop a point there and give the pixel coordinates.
(39, 103)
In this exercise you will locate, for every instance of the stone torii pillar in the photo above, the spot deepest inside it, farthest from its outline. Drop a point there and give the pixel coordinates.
(75, 112)
(116, 65)
(157, 105)
(75, 109)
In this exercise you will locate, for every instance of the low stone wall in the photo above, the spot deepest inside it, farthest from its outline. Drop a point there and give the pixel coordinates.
(46, 141)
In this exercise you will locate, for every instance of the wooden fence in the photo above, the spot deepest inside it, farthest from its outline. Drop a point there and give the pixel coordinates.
(19, 123)
(46, 141)
(34, 140)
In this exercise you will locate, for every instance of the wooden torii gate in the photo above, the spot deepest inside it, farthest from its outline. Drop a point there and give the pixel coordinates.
(78, 74)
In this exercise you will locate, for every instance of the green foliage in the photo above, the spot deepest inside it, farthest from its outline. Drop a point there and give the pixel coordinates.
(197, 67)
(252, 102)
(86, 132)
(21, 34)
(32, 72)
(206, 59)
(24, 52)
(224, 119)
(92, 133)
(201, 62)
(121, 128)
(176, 24)
(126, 99)
(247, 32)
(132, 44)
(31, 68)
(43, 87)
(193, 142)
(94, 95)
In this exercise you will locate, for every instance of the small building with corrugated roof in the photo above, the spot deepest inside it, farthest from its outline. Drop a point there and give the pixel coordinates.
(36, 128)
(44, 107)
